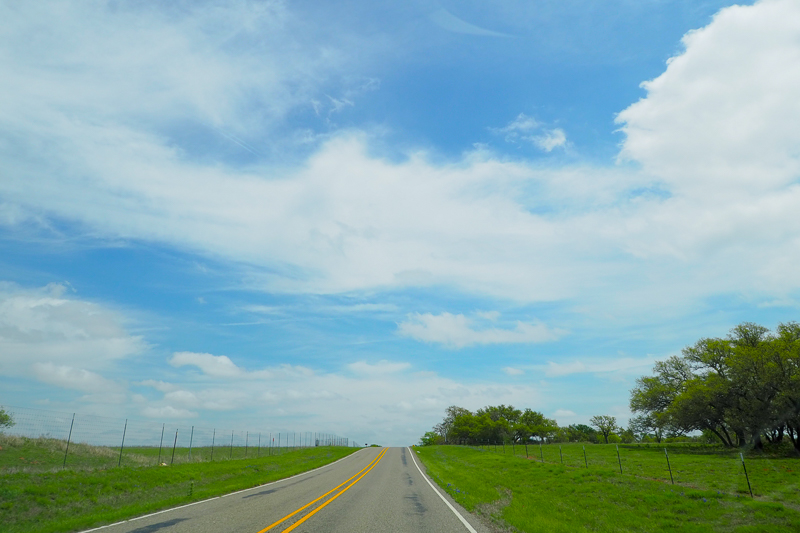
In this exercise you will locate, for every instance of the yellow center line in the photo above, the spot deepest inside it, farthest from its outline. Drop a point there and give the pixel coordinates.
(369, 466)
(312, 513)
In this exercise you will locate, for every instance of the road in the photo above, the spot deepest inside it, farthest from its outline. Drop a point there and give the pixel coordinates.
(372, 490)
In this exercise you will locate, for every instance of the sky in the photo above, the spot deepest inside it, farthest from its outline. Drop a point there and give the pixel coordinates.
(346, 216)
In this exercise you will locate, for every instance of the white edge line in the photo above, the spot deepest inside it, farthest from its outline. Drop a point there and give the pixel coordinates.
(463, 520)
(218, 497)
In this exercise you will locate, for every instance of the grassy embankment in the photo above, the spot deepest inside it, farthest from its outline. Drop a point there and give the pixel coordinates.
(38, 496)
(710, 491)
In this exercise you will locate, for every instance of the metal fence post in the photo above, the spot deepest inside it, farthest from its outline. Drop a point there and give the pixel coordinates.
(258, 454)
(246, 442)
(191, 438)
(668, 466)
(213, 437)
(231, 457)
(69, 438)
(618, 459)
(746, 476)
(161, 444)
(124, 431)
(173, 447)
(585, 460)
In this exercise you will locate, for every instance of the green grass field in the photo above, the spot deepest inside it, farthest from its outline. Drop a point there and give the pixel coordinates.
(710, 491)
(38, 496)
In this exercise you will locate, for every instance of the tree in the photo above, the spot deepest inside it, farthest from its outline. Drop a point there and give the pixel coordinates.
(6, 420)
(645, 425)
(430, 438)
(445, 426)
(605, 424)
(580, 433)
(744, 388)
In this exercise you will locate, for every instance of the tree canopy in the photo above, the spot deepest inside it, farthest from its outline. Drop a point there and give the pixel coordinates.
(6, 420)
(742, 388)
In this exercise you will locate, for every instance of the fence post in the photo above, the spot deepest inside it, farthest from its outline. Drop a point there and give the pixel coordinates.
(161, 444)
(526, 450)
(125, 430)
(191, 438)
(271, 442)
(258, 454)
(618, 459)
(668, 466)
(541, 453)
(174, 444)
(246, 442)
(746, 476)
(561, 454)
(213, 438)
(585, 460)
(69, 438)
(231, 457)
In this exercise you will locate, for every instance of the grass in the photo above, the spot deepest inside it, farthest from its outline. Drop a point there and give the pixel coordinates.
(43, 500)
(709, 494)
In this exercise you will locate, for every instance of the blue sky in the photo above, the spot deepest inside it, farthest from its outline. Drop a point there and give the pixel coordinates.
(345, 217)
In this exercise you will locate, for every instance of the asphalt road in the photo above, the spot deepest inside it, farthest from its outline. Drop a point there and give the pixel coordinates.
(372, 490)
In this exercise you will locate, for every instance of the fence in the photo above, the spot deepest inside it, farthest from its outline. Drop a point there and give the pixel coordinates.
(687, 465)
(51, 438)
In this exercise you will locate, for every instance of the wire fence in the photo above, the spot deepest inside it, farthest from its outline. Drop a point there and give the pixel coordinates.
(689, 465)
(51, 438)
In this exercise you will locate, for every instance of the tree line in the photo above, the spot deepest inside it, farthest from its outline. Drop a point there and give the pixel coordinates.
(506, 424)
(741, 390)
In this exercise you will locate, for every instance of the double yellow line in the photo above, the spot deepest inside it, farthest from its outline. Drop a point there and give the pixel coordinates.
(360, 474)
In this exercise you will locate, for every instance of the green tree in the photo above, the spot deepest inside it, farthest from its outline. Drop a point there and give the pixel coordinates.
(580, 433)
(430, 438)
(605, 424)
(6, 420)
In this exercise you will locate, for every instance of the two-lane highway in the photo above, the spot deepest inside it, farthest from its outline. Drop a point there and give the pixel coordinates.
(374, 489)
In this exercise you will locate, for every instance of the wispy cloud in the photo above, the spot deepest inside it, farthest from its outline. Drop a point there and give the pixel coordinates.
(458, 331)
(446, 20)
(624, 365)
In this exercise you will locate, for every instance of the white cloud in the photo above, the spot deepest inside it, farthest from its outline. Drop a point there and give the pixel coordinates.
(623, 365)
(68, 377)
(381, 367)
(552, 139)
(161, 386)
(168, 412)
(511, 371)
(47, 325)
(722, 118)
(456, 331)
(216, 366)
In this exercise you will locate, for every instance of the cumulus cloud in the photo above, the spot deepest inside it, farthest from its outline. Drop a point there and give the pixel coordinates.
(457, 331)
(722, 117)
(511, 371)
(216, 366)
(68, 377)
(50, 325)
(552, 139)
